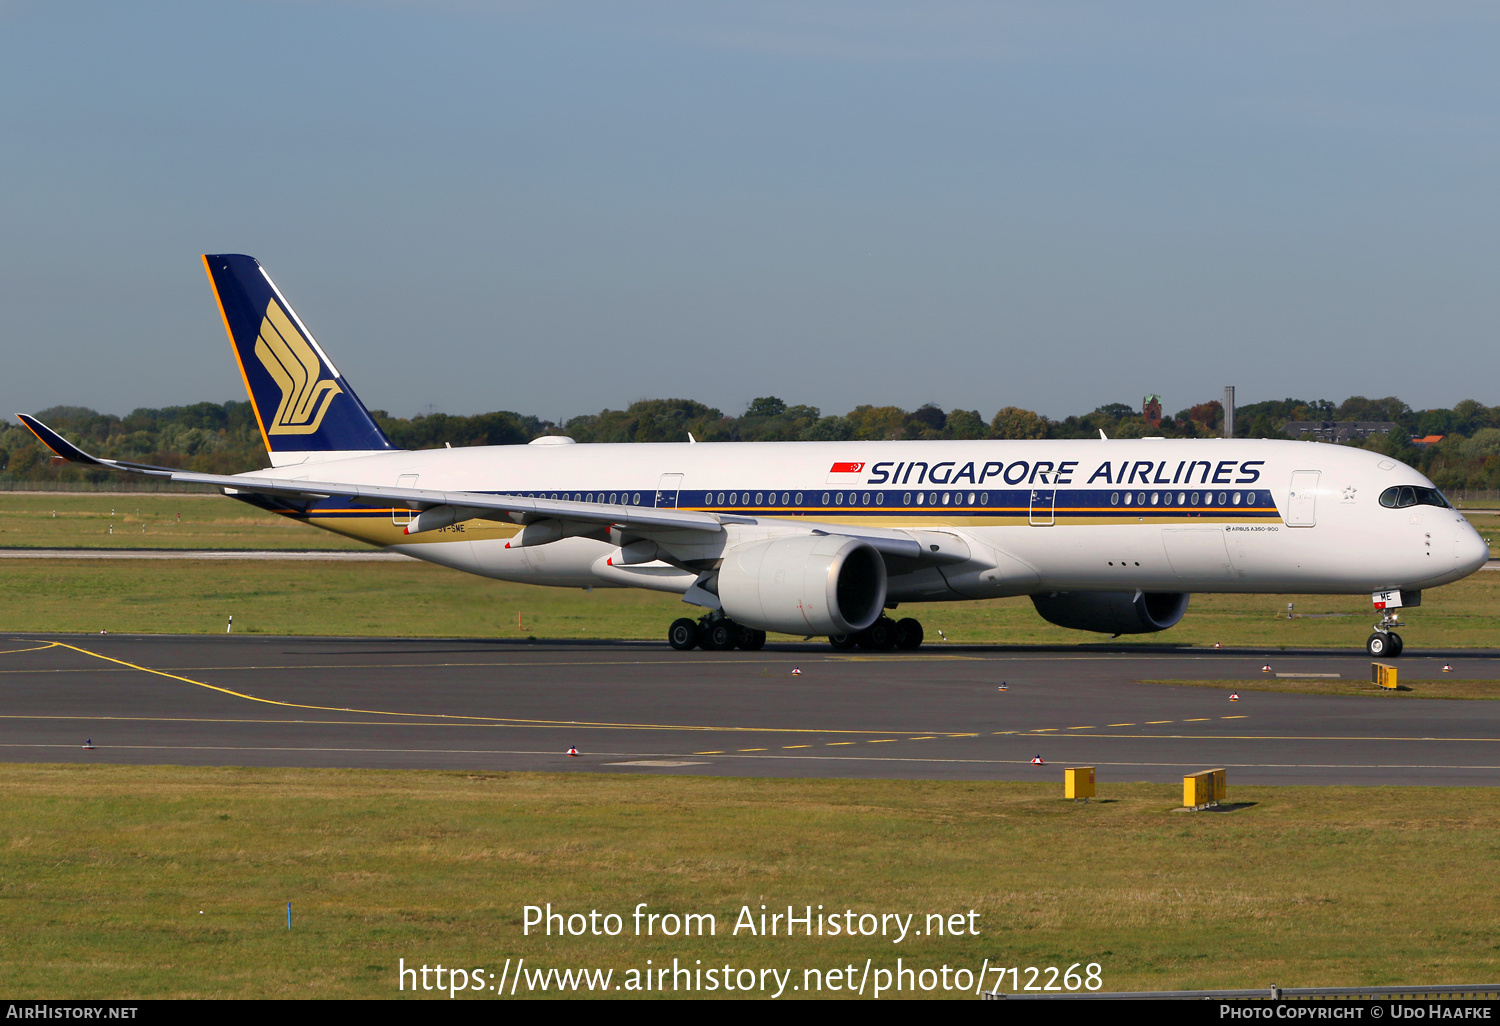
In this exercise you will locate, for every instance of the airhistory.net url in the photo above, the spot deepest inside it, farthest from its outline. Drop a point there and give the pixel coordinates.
(516, 978)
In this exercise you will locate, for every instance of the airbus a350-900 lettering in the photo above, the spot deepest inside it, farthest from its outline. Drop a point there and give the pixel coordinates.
(822, 538)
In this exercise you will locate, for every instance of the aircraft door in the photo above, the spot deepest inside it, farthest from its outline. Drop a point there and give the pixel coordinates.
(1043, 506)
(404, 516)
(1301, 507)
(667, 490)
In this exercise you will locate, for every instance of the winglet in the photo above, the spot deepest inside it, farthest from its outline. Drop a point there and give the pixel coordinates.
(56, 442)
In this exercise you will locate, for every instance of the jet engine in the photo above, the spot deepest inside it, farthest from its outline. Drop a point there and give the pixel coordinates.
(1113, 612)
(812, 584)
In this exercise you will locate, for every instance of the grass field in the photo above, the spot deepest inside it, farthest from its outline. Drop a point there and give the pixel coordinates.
(27, 521)
(168, 882)
(420, 600)
(38, 520)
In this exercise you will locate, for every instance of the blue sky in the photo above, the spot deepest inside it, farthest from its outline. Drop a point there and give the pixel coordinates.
(557, 208)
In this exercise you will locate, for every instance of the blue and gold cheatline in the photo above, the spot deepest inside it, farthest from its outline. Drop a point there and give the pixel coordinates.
(300, 400)
(887, 507)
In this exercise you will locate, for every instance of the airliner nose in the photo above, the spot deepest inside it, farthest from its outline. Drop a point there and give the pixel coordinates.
(1470, 550)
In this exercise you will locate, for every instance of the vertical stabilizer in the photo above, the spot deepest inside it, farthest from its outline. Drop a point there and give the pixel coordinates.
(304, 406)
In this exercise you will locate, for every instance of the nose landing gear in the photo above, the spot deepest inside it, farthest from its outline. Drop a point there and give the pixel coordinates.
(1385, 643)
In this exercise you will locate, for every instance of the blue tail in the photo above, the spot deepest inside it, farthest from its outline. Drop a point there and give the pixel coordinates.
(302, 402)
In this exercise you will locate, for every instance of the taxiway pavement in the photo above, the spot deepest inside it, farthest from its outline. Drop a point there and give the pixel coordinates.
(467, 704)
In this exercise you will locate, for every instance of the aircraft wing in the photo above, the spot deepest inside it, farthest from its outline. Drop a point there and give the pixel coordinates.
(439, 508)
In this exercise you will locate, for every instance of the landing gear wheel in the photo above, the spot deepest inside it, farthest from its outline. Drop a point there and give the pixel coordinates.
(750, 640)
(1396, 645)
(880, 636)
(683, 634)
(842, 642)
(718, 636)
(1380, 645)
(908, 633)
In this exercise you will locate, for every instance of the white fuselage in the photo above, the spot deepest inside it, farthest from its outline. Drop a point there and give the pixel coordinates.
(1035, 516)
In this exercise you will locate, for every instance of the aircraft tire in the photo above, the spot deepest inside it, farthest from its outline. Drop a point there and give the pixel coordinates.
(719, 636)
(1396, 645)
(751, 640)
(908, 633)
(1379, 645)
(842, 642)
(880, 636)
(683, 634)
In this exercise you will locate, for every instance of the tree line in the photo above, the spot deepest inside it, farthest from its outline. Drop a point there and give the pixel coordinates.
(223, 438)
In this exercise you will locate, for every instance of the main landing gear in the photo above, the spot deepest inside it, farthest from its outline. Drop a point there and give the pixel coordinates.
(1385, 643)
(717, 633)
(713, 633)
(882, 636)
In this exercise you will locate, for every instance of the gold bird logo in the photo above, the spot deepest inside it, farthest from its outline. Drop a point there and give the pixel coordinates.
(294, 365)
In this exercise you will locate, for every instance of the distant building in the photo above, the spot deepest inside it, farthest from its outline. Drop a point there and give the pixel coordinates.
(1338, 430)
(1151, 410)
(1426, 440)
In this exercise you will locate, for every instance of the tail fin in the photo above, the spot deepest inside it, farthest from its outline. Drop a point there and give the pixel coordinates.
(303, 404)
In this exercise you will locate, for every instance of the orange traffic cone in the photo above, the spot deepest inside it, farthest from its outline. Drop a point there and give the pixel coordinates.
(572, 751)
(1234, 696)
(1036, 760)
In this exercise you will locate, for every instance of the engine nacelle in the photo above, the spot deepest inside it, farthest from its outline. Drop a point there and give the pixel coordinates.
(812, 584)
(1113, 612)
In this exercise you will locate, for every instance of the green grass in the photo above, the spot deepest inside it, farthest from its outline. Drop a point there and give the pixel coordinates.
(104, 871)
(418, 599)
(422, 600)
(84, 521)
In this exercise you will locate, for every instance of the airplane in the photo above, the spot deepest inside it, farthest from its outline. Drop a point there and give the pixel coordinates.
(821, 539)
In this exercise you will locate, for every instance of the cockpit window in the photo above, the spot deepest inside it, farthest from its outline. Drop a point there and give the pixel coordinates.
(1400, 496)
